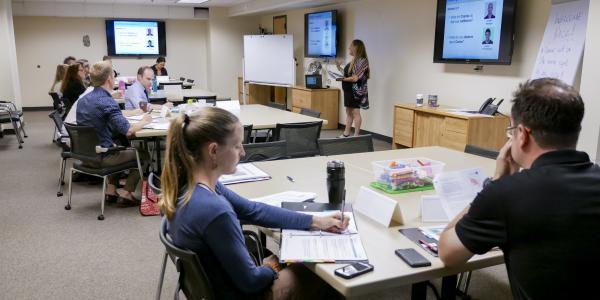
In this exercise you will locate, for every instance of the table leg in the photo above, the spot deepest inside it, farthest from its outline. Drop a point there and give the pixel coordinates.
(157, 151)
(419, 291)
(449, 287)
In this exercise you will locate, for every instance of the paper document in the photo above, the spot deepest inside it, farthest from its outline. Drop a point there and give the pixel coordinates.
(244, 173)
(140, 117)
(350, 230)
(455, 190)
(335, 75)
(289, 196)
(158, 125)
(467, 113)
(318, 246)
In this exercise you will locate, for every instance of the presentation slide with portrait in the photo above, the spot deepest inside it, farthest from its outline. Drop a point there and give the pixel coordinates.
(321, 34)
(472, 29)
(136, 37)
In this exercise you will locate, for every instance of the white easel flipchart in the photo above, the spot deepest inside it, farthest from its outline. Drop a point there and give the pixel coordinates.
(269, 60)
(562, 46)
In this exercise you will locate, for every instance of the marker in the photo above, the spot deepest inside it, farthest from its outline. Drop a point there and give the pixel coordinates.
(430, 246)
(290, 178)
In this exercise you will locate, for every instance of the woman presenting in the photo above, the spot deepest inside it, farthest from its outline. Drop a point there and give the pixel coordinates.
(354, 85)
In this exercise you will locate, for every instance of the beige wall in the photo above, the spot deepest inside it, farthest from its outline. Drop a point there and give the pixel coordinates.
(590, 89)
(226, 49)
(9, 82)
(399, 40)
(45, 41)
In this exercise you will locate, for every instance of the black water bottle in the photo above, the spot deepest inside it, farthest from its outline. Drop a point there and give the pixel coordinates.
(336, 181)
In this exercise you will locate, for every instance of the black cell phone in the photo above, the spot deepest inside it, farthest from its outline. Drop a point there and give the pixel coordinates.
(353, 270)
(413, 258)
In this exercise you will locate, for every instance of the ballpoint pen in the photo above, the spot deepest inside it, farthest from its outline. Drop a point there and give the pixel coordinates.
(343, 206)
(290, 178)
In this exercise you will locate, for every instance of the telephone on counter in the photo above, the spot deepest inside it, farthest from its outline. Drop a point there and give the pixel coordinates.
(489, 108)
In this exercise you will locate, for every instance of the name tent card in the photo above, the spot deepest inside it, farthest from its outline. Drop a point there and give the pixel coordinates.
(377, 207)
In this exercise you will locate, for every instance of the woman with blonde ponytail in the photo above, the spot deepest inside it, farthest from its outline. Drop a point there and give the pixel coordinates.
(204, 215)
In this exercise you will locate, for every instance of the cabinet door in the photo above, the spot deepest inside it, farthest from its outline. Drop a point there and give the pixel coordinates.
(454, 133)
(301, 98)
(403, 126)
(428, 129)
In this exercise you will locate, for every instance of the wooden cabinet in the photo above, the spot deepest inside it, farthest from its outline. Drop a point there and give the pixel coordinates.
(325, 101)
(257, 94)
(426, 126)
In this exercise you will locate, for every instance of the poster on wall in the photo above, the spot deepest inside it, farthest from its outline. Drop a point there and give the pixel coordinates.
(562, 46)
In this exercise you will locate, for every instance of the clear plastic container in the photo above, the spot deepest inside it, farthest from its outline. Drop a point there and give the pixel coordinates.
(406, 174)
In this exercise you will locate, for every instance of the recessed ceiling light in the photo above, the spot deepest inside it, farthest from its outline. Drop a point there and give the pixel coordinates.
(191, 1)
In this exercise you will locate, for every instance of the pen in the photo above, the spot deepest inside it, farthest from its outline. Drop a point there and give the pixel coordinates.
(150, 111)
(343, 206)
(290, 178)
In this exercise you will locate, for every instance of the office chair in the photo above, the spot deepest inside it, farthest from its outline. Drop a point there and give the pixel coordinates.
(10, 114)
(487, 153)
(301, 138)
(83, 148)
(209, 99)
(277, 105)
(346, 145)
(310, 113)
(247, 133)
(66, 150)
(265, 151)
(182, 79)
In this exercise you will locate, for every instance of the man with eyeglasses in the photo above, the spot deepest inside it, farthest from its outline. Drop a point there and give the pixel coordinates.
(542, 207)
(136, 95)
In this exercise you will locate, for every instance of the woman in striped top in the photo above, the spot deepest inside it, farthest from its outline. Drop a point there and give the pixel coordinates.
(354, 85)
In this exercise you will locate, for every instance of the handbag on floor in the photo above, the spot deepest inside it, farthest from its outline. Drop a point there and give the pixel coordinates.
(149, 203)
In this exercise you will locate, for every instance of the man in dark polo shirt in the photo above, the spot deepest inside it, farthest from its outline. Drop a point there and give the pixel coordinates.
(546, 217)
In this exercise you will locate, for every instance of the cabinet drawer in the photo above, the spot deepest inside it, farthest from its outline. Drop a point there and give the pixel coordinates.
(402, 114)
(403, 126)
(454, 140)
(456, 125)
(301, 99)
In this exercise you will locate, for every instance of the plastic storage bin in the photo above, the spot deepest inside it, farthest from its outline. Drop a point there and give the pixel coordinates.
(405, 175)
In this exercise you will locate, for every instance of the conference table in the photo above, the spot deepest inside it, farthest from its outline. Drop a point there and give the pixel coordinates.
(260, 116)
(177, 95)
(309, 175)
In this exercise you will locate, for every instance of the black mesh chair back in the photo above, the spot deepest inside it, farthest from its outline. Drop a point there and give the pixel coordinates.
(56, 102)
(301, 137)
(190, 80)
(159, 100)
(83, 143)
(487, 153)
(247, 133)
(347, 145)
(161, 85)
(310, 113)
(265, 151)
(277, 105)
(182, 78)
(193, 280)
(154, 183)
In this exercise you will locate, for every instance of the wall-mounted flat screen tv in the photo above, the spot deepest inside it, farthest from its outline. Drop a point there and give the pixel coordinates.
(320, 34)
(136, 38)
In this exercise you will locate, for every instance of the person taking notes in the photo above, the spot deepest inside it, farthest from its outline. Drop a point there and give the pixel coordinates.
(545, 217)
(204, 214)
(138, 92)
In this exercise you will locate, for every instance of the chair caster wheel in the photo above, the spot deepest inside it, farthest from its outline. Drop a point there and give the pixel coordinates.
(59, 194)
(20, 147)
(68, 207)
(26, 136)
(101, 217)
(62, 183)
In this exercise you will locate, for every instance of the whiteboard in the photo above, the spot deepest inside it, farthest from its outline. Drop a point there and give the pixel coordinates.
(269, 59)
(562, 46)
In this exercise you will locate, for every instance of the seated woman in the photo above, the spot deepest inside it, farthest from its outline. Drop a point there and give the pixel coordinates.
(72, 85)
(159, 67)
(58, 78)
(204, 215)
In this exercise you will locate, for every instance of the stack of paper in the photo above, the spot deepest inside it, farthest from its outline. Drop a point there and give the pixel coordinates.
(244, 173)
(455, 190)
(321, 246)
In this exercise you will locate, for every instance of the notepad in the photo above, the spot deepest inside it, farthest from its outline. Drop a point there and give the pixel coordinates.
(244, 173)
(322, 247)
(288, 196)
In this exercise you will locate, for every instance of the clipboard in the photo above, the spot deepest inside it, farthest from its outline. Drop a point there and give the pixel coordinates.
(415, 234)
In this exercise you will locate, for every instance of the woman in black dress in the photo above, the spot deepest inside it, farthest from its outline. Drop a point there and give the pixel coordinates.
(354, 85)
(72, 85)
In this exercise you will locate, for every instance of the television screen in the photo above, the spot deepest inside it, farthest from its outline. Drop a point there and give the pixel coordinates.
(135, 38)
(320, 34)
(474, 31)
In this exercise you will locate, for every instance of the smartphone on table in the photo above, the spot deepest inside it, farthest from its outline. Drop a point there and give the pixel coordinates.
(353, 270)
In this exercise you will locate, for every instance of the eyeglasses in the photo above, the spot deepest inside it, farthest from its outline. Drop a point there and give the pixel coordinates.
(509, 131)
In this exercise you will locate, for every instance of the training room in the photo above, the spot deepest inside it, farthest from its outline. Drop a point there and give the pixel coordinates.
(299, 149)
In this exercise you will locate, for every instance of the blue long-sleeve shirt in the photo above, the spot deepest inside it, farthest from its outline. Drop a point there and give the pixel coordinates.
(209, 225)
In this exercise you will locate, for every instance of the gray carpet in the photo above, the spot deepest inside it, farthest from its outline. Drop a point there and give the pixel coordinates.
(47, 252)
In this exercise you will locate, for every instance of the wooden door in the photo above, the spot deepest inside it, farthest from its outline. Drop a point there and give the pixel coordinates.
(280, 27)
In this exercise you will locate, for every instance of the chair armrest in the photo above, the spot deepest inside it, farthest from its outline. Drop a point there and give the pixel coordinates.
(100, 149)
